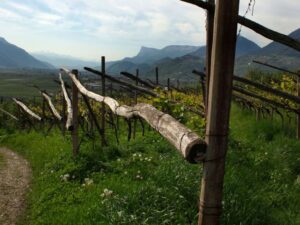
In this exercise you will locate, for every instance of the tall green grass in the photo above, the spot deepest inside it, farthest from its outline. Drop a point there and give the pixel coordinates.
(145, 181)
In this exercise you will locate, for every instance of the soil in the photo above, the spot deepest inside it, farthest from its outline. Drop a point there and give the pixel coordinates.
(15, 176)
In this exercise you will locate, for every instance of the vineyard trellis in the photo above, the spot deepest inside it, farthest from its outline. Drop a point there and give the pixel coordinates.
(222, 19)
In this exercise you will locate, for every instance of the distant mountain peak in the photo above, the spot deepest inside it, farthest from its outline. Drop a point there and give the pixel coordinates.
(12, 56)
(295, 34)
(3, 40)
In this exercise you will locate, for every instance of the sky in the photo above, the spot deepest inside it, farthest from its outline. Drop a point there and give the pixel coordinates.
(88, 29)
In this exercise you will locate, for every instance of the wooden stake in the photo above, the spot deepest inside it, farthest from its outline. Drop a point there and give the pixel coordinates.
(156, 75)
(103, 104)
(298, 114)
(43, 108)
(209, 41)
(63, 113)
(75, 142)
(136, 101)
(219, 98)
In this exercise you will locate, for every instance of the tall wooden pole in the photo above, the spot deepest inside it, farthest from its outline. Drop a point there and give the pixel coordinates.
(209, 41)
(75, 142)
(136, 101)
(63, 113)
(219, 98)
(103, 70)
(298, 115)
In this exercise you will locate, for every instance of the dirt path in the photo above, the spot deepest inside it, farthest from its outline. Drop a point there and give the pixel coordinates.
(15, 174)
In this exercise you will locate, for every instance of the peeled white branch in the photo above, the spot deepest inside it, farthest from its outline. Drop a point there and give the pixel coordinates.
(69, 123)
(187, 142)
(27, 110)
(52, 107)
(9, 114)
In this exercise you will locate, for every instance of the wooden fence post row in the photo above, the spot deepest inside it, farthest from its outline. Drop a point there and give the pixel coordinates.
(188, 143)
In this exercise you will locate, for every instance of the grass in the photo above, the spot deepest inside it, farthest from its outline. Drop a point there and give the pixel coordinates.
(145, 181)
(145, 177)
(17, 84)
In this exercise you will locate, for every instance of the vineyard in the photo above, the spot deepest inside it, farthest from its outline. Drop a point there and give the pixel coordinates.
(132, 148)
(123, 149)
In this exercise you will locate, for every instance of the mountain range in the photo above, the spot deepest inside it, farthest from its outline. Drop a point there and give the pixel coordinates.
(11, 56)
(174, 61)
(274, 54)
(65, 61)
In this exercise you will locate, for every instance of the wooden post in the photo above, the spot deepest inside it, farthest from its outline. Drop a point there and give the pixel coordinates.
(168, 84)
(204, 91)
(209, 41)
(111, 89)
(64, 118)
(75, 142)
(298, 115)
(103, 70)
(43, 108)
(178, 84)
(136, 101)
(219, 98)
(156, 76)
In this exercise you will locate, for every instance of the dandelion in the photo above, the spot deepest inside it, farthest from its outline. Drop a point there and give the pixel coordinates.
(133, 217)
(139, 177)
(65, 177)
(106, 193)
(88, 181)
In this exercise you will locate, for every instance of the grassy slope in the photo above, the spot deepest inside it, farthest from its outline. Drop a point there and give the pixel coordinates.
(151, 184)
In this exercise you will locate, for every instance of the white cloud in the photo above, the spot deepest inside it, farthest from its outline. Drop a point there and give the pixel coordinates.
(6, 14)
(185, 27)
(20, 7)
(124, 25)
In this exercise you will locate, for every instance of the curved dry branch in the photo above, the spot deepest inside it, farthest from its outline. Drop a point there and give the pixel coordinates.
(187, 142)
(69, 122)
(27, 110)
(9, 114)
(51, 106)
